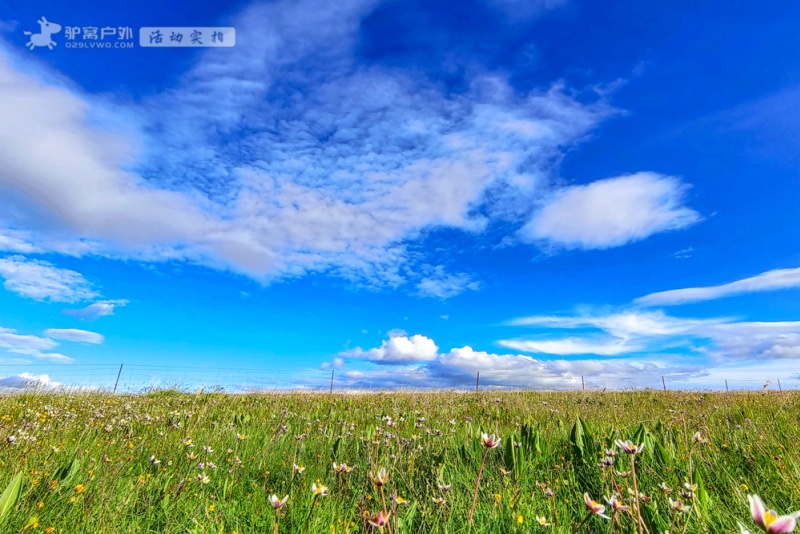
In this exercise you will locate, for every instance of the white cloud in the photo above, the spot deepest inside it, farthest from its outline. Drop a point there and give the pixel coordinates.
(52, 357)
(563, 347)
(767, 281)
(24, 344)
(74, 334)
(244, 176)
(28, 380)
(442, 285)
(42, 280)
(458, 368)
(398, 349)
(623, 325)
(719, 338)
(612, 212)
(101, 308)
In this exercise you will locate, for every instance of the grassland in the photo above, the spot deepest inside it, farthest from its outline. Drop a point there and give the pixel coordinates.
(208, 463)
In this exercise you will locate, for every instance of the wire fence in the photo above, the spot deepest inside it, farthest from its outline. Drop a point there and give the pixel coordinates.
(138, 378)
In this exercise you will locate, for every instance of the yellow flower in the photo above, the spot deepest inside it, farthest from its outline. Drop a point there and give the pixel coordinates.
(80, 488)
(210, 507)
(498, 497)
(40, 504)
(520, 519)
(743, 486)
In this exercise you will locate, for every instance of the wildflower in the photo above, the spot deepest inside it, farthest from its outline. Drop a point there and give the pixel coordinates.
(698, 438)
(611, 453)
(241, 437)
(154, 460)
(342, 467)
(542, 521)
(594, 507)
(11, 440)
(398, 499)
(607, 461)
(520, 519)
(202, 478)
(80, 488)
(381, 478)
(665, 488)
(504, 472)
(623, 474)
(276, 502)
(298, 469)
(439, 500)
(444, 487)
(319, 489)
(616, 504)
(628, 447)
(769, 520)
(490, 441)
(678, 505)
(378, 520)
(207, 449)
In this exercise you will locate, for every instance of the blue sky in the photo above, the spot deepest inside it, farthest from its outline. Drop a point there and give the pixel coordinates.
(405, 192)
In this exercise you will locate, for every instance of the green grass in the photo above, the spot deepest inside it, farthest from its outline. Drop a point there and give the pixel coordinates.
(85, 460)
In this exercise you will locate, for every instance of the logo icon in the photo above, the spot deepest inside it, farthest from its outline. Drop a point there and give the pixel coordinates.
(43, 37)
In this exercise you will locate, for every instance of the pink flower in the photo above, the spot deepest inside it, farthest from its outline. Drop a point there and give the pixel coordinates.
(616, 504)
(629, 447)
(378, 520)
(769, 520)
(276, 502)
(490, 441)
(381, 478)
(595, 507)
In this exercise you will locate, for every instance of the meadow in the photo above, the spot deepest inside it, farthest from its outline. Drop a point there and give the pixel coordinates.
(398, 462)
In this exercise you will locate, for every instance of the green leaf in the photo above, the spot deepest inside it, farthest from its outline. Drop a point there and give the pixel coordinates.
(10, 496)
(67, 472)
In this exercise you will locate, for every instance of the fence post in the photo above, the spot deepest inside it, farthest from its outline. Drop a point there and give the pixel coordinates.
(726, 384)
(118, 375)
(779, 385)
(583, 384)
(332, 371)
(663, 382)
(477, 381)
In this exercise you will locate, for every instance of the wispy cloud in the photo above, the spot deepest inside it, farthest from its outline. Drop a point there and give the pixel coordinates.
(95, 310)
(24, 344)
(41, 280)
(636, 332)
(74, 334)
(442, 285)
(612, 212)
(768, 281)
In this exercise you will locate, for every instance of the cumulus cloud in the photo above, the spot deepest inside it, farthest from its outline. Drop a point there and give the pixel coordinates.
(27, 380)
(458, 368)
(767, 281)
(398, 349)
(611, 212)
(95, 310)
(74, 334)
(41, 280)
